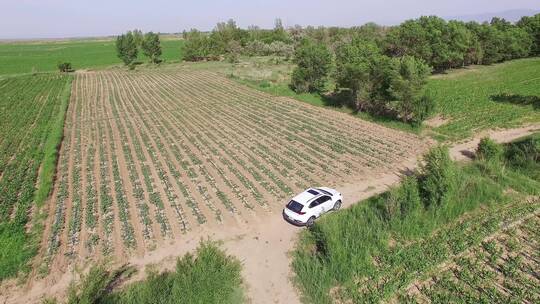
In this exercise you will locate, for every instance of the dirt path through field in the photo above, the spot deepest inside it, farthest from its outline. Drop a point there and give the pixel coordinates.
(465, 151)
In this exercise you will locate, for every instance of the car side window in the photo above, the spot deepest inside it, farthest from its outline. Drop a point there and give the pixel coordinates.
(324, 199)
(315, 203)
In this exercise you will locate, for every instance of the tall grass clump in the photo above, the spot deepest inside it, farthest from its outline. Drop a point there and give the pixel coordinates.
(488, 149)
(368, 252)
(208, 276)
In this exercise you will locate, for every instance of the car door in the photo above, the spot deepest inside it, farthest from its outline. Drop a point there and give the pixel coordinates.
(325, 203)
(315, 207)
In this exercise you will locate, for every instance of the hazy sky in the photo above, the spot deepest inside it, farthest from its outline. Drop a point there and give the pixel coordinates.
(71, 18)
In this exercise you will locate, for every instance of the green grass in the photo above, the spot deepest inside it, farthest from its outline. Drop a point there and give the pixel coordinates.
(51, 149)
(31, 125)
(363, 255)
(30, 57)
(209, 276)
(466, 97)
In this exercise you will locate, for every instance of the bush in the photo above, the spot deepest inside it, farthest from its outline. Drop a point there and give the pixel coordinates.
(209, 276)
(400, 202)
(525, 152)
(423, 108)
(93, 286)
(65, 67)
(409, 197)
(437, 178)
(488, 149)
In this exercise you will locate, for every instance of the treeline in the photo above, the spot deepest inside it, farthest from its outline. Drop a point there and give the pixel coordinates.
(230, 41)
(128, 45)
(376, 69)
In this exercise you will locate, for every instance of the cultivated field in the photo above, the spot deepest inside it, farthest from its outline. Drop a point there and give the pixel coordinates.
(150, 156)
(487, 97)
(503, 269)
(31, 121)
(44, 56)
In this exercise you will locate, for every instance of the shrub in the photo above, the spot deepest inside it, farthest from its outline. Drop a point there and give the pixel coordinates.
(209, 276)
(423, 108)
(65, 67)
(93, 286)
(437, 178)
(400, 202)
(488, 149)
(525, 152)
(409, 196)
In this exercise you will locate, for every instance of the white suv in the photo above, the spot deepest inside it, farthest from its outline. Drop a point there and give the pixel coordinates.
(304, 208)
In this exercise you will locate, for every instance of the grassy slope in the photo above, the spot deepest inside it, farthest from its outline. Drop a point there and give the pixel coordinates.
(464, 96)
(17, 245)
(26, 57)
(357, 254)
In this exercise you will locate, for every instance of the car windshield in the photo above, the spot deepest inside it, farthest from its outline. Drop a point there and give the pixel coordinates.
(295, 206)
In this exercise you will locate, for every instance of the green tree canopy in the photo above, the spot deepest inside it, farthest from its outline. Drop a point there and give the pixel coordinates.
(151, 47)
(126, 48)
(532, 26)
(407, 85)
(360, 67)
(313, 62)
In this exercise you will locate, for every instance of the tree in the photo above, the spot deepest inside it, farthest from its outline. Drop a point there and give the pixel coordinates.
(198, 46)
(532, 26)
(138, 37)
(151, 47)
(407, 84)
(233, 51)
(490, 40)
(126, 48)
(360, 68)
(224, 33)
(313, 62)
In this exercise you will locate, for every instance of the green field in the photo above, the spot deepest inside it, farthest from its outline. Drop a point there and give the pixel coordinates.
(28, 57)
(32, 110)
(375, 251)
(476, 98)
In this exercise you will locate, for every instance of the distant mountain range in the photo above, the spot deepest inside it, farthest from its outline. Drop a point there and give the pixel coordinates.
(510, 15)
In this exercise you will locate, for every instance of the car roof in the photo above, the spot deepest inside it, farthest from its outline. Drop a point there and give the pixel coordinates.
(307, 196)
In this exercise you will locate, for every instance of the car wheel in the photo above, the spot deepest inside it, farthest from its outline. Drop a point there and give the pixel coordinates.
(310, 221)
(337, 205)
